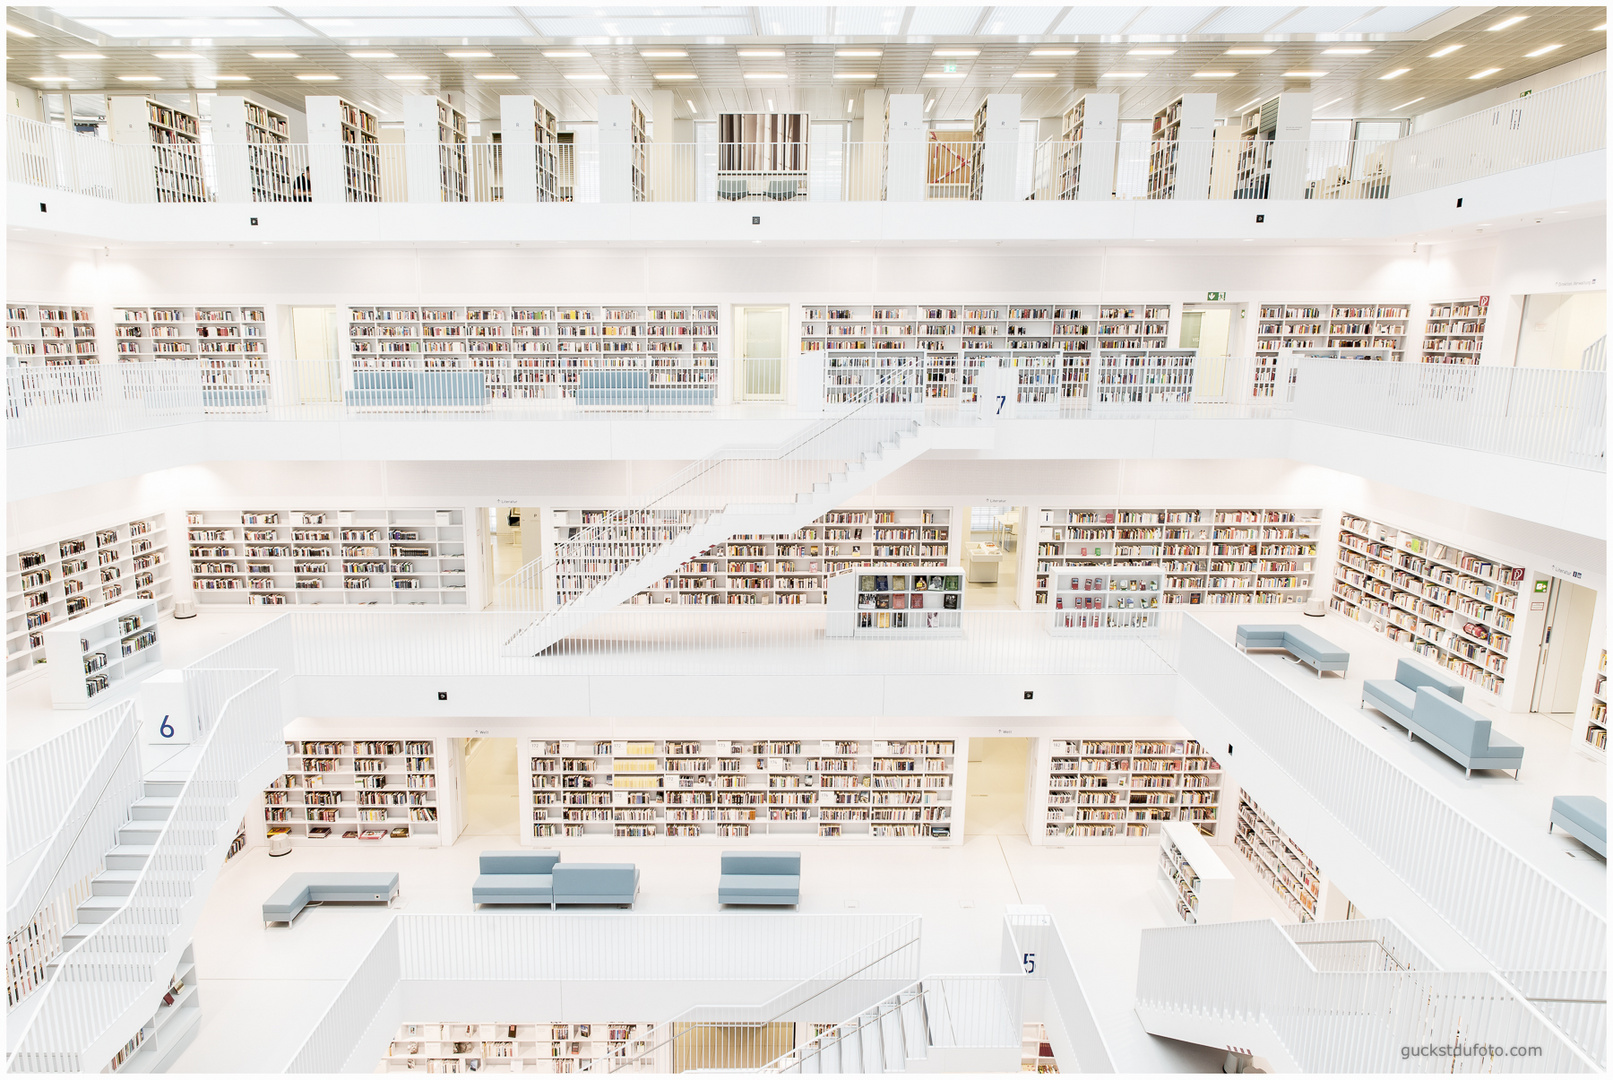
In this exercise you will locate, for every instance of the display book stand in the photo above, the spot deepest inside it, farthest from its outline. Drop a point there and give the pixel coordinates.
(523, 1047)
(1195, 882)
(1101, 788)
(50, 334)
(726, 789)
(357, 791)
(1455, 608)
(1107, 598)
(160, 1040)
(101, 655)
(896, 602)
(1280, 862)
(1596, 723)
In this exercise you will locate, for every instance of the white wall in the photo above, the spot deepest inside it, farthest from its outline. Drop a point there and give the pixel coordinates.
(22, 101)
(1574, 69)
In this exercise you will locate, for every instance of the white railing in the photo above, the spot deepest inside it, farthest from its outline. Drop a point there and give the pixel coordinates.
(1033, 945)
(1555, 415)
(1358, 945)
(1516, 916)
(1236, 979)
(111, 977)
(1559, 122)
(42, 782)
(361, 1000)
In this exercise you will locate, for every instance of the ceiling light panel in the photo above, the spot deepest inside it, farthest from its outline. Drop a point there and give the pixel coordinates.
(1097, 20)
(1542, 51)
(1507, 24)
(373, 54)
(663, 54)
(81, 56)
(1035, 75)
(675, 76)
(1395, 74)
(1303, 74)
(768, 54)
(495, 76)
(1055, 52)
(468, 54)
(566, 54)
(179, 56)
(866, 54)
(275, 56)
(1245, 20)
(1169, 20)
(1485, 74)
(1347, 50)
(1248, 50)
(863, 75)
(1441, 53)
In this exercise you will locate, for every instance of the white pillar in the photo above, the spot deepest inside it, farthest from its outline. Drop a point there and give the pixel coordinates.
(1196, 135)
(421, 145)
(615, 148)
(1291, 145)
(1100, 142)
(325, 154)
(518, 141)
(906, 149)
(1000, 152)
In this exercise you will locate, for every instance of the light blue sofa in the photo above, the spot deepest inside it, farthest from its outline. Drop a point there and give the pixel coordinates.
(595, 883)
(235, 397)
(1396, 697)
(760, 877)
(300, 890)
(417, 390)
(1584, 817)
(1461, 734)
(620, 388)
(515, 877)
(1298, 641)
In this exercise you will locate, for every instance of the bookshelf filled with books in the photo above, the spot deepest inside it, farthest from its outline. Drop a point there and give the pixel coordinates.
(1143, 378)
(1324, 327)
(1107, 598)
(228, 340)
(1596, 722)
(257, 167)
(436, 147)
(536, 352)
(175, 141)
(1179, 150)
(1278, 861)
(728, 789)
(524, 1047)
(1123, 789)
(103, 654)
(50, 334)
(1243, 555)
(1455, 608)
(160, 1040)
(327, 556)
(1195, 883)
(360, 791)
(752, 569)
(75, 576)
(344, 151)
(942, 347)
(897, 601)
(1455, 331)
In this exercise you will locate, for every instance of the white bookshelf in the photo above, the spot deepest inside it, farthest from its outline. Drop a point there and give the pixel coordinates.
(1595, 737)
(50, 334)
(536, 352)
(436, 141)
(1454, 333)
(102, 655)
(73, 577)
(1124, 789)
(1089, 132)
(229, 341)
(1453, 607)
(1229, 555)
(258, 167)
(1179, 150)
(360, 791)
(896, 602)
(1311, 327)
(529, 139)
(174, 139)
(755, 569)
(1194, 881)
(1278, 861)
(160, 1040)
(344, 150)
(1143, 378)
(731, 789)
(327, 556)
(1107, 598)
(522, 1047)
(941, 347)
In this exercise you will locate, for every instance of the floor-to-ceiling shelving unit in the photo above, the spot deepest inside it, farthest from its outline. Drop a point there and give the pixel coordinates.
(1324, 326)
(1455, 331)
(50, 334)
(1124, 789)
(225, 338)
(358, 791)
(175, 139)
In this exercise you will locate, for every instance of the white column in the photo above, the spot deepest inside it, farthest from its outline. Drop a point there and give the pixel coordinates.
(518, 138)
(230, 149)
(615, 148)
(1000, 154)
(325, 153)
(1100, 142)
(1291, 145)
(672, 162)
(906, 149)
(1193, 156)
(421, 144)
(868, 158)
(129, 122)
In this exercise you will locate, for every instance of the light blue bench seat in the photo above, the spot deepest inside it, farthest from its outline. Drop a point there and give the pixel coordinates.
(1298, 641)
(1584, 817)
(595, 883)
(300, 890)
(627, 388)
(1396, 697)
(515, 877)
(1461, 734)
(383, 388)
(235, 397)
(760, 877)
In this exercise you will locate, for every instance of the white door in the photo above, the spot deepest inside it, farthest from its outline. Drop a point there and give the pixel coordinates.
(761, 352)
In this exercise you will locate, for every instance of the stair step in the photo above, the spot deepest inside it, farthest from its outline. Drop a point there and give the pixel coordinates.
(142, 833)
(99, 909)
(128, 856)
(160, 789)
(153, 807)
(114, 882)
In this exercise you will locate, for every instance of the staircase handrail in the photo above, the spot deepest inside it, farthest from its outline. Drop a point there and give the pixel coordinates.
(527, 581)
(769, 1009)
(112, 971)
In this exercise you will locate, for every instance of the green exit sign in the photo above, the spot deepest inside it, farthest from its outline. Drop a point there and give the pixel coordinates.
(1216, 296)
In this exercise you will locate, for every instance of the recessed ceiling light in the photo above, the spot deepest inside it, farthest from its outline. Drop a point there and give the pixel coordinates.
(50, 79)
(468, 54)
(80, 56)
(955, 52)
(178, 56)
(19, 31)
(495, 76)
(690, 102)
(406, 77)
(1485, 74)
(1214, 74)
(663, 54)
(375, 54)
(139, 78)
(675, 76)
(1151, 52)
(1602, 27)
(1335, 101)
(1034, 75)
(1247, 51)
(566, 54)
(1303, 74)
(1395, 74)
(771, 54)
(1345, 52)
(330, 78)
(930, 105)
(856, 75)
(1504, 23)
(850, 105)
(863, 53)
(276, 56)
(1442, 53)
(232, 78)
(1054, 52)
(586, 76)
(1403, 104)
(1122, 74)
(943, 74)
(765, 75)
(1542, 51)
(1248, 103)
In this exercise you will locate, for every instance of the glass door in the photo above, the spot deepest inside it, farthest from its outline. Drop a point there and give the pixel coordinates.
(761, 357)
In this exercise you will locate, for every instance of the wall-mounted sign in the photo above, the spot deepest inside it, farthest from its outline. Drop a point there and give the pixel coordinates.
(1542, 585)
(1484, 301)
(1215, 296)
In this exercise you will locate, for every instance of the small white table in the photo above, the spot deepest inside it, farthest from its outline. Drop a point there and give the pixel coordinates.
(985, 561)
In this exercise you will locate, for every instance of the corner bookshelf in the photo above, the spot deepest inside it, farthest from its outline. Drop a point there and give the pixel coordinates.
(327, 556)
(759, 569)
(729, 789)
(535, 352)
(50, 334)
(1150, 379)
(1125, 789)
(78, 575)
(174, 137)
(1453, 607)
(1193, 880)
(1596, 723)
(1107, 598)
(1278, 861)
(521, 1047)
(224, 338)
(357, 791)
(1455, 331)
(1209, 556)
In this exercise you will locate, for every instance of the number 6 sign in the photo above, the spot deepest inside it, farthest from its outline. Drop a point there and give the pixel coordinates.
(164, 706)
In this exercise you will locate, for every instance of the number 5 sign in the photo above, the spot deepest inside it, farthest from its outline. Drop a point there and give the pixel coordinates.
(165, 710)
